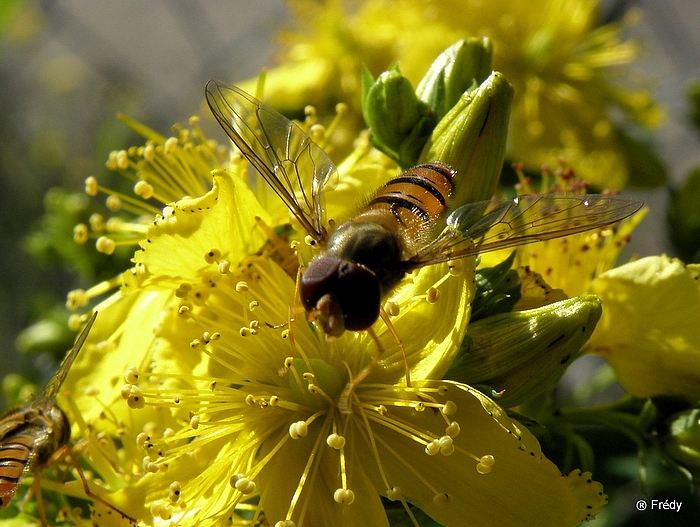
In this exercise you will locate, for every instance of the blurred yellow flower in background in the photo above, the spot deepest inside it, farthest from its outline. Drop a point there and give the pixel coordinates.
(567, 71)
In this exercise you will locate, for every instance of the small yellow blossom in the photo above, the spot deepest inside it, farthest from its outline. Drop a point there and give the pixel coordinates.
(649, 331)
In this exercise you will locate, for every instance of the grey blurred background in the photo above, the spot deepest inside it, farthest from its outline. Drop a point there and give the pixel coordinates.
(66, 67)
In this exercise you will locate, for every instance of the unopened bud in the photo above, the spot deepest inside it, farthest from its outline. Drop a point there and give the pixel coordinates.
(524, 353)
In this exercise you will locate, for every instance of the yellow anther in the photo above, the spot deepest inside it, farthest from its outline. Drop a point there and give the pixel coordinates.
(335, 441)
(344, 496)
(144, 189)
(442, 499)
(114, 203)
(298, 429)
(392, 308)
(449, 408)
(433, 447)
(131, 375)
(105, 245)
(453, 429)
(432, 295)
(394, 493)
(80, 233)
(91, 186)
(194, 422)
(212, 255)
(447, 446)
(224, 266)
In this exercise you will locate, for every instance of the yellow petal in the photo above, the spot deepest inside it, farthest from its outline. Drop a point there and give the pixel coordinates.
(223, 219)
(522, 488)
(282, 475)
(649, 332)
(115, 343)
(431, 332)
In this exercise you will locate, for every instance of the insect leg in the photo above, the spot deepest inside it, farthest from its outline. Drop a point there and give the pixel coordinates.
(36, 488)
(292, 312)
(344, 399)
(385, 317)
(91, 495)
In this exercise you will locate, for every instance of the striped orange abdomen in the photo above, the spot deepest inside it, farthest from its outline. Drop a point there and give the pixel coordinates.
(416, 199)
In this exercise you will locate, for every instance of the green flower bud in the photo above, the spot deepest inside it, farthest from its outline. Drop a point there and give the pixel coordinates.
(472, 139)
(681, 442)
(461, 67)
(497, 290)
(524, 353)
(400, 122)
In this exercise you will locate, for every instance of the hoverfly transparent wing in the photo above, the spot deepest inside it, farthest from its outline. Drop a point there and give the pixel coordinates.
(501, 223)
(56, 381)
(294, 166)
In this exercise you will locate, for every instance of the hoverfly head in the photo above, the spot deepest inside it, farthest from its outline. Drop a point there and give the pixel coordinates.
(342, 295)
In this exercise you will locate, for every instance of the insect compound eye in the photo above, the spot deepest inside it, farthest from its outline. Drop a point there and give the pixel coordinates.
(354, 287)
(318, 280)
(359, 296)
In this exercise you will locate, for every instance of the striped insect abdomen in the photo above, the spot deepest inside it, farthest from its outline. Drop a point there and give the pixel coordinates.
(14, 457)
(416, 199)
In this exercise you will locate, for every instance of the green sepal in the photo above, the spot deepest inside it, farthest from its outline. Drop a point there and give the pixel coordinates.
(497, 290)
(400, 122)
(680, 443)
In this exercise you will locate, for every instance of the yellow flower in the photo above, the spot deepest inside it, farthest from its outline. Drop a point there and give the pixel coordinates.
(561, 64)
(570, 264)
(222, 403)
(649, 332)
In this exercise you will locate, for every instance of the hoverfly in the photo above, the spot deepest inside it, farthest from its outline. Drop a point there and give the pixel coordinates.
(33, 433)
(408, 223)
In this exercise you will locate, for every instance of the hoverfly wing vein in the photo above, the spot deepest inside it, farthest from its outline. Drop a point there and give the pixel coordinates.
(498, 224)
(248, 127)
(56, 381)
(281, 152)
